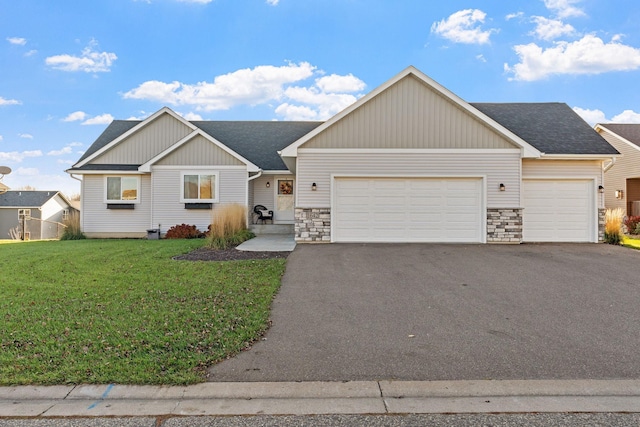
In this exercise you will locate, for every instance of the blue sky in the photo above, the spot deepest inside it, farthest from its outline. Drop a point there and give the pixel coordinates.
(67, 68)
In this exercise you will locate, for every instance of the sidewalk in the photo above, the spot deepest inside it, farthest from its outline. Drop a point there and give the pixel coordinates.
(314, 398)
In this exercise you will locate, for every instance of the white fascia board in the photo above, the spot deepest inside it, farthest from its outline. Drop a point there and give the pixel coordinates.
(409, 150)
(198, 132)
(142, 124)
(527, 149)
(109, 172)
(600, 128)
(277, 172)
(578, 156)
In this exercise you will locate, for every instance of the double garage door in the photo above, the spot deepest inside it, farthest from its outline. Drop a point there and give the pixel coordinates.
(408, 210)
(452, 210)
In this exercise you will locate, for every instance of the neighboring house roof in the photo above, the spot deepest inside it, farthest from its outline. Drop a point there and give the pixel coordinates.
(29, 199)
(552, 128)
(3, 187)
(628, 131)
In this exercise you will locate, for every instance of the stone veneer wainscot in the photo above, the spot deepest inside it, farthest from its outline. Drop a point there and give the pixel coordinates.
(504, 225)
(313, 225)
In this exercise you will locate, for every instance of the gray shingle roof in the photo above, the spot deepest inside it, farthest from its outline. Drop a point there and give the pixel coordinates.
(258, 142)
(27, 199)
(552, 128)
(629, 131)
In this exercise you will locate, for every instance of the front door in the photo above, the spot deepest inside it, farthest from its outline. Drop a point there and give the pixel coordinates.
(284, 200)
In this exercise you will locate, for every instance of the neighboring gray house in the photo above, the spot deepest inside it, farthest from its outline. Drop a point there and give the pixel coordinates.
(623, 177)
(33, 215)
(409, 162)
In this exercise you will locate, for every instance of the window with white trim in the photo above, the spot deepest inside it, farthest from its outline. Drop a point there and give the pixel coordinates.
(199, 187)
(65, 214)
(24, 213)
(122, 189)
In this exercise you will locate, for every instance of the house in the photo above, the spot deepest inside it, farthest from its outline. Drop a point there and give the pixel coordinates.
(409, 162)
(33, 215)
(3, 188)
(623, 177)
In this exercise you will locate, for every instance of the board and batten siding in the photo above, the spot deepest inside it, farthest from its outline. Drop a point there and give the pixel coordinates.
(627, 166)
(409, 114)
(502, 167)
(565, 169)
(199, 152)
(143, 145)
(98, 221)
(168, 210)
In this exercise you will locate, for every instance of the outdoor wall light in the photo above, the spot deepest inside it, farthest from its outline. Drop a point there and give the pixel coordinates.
(600, 189)
(314, 187)
(268, 184)
(619, 194)
(502, 187)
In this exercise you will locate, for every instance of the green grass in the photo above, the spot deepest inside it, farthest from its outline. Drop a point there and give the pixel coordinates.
(122, 311)
(631, 242)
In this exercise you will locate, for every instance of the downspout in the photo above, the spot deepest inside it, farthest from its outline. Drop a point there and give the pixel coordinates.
(251, 178)
(610, 165)
(81, 201)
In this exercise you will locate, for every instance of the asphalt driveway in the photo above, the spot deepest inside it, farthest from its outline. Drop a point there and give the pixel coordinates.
(450, 312)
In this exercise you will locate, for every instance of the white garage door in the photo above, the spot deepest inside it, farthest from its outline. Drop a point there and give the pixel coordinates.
(407, 210)
(558, 211)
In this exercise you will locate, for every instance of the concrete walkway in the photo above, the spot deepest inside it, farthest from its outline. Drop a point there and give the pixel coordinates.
(269, 243)
(306, 398)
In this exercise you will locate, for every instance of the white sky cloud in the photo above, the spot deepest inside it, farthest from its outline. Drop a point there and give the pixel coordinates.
(296, 112)
(564, 8)
(196, 1)
(627, 116)
(335, 83)
(9, 101)
(17, 156)
(464, 26)
(597, 116)
(31, 52)
(75, 116)
(259, 85)
(551, 29)
(27, 172)
(25, 135)
(273, 2)
(103, 119)
(514, 15)
(589, 55)
(1, 137)
(591, 116)
(17, 40)
(190, 116)
(324, 104)
(89, 61)
(65, 150)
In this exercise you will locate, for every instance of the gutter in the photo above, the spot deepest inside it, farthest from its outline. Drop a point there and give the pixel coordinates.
(610, 165)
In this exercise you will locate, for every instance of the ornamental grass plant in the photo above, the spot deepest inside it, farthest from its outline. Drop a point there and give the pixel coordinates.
(228, 226)
(613, 226)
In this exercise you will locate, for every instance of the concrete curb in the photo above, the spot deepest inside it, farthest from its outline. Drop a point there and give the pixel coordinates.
(314, 398)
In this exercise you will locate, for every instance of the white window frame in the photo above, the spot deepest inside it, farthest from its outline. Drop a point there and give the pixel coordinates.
(65, 214)
(216, 186)
(106, 189)
(24, 213)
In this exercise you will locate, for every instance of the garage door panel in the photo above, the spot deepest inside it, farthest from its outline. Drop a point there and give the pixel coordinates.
(408, 210)
(558, 211)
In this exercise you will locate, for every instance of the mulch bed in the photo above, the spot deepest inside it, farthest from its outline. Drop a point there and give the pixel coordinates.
(230, 254)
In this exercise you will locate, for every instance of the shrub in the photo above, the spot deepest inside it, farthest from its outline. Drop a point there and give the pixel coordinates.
(228, 226)
(183, 231)
(632, 223)
(72, 229)
(613, 226)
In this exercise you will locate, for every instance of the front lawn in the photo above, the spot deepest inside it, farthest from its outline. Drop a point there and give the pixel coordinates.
(122, 311)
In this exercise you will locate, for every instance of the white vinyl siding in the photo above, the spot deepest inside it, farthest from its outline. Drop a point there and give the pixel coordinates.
(98, 219)
(375, 209)
(496, 167)
(199, 152)
(558, 211)
(409, 114)
(143, 145)
(168, 210)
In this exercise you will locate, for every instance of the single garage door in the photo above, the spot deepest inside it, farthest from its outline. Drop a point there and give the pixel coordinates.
(558, 211)
(408, 210)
